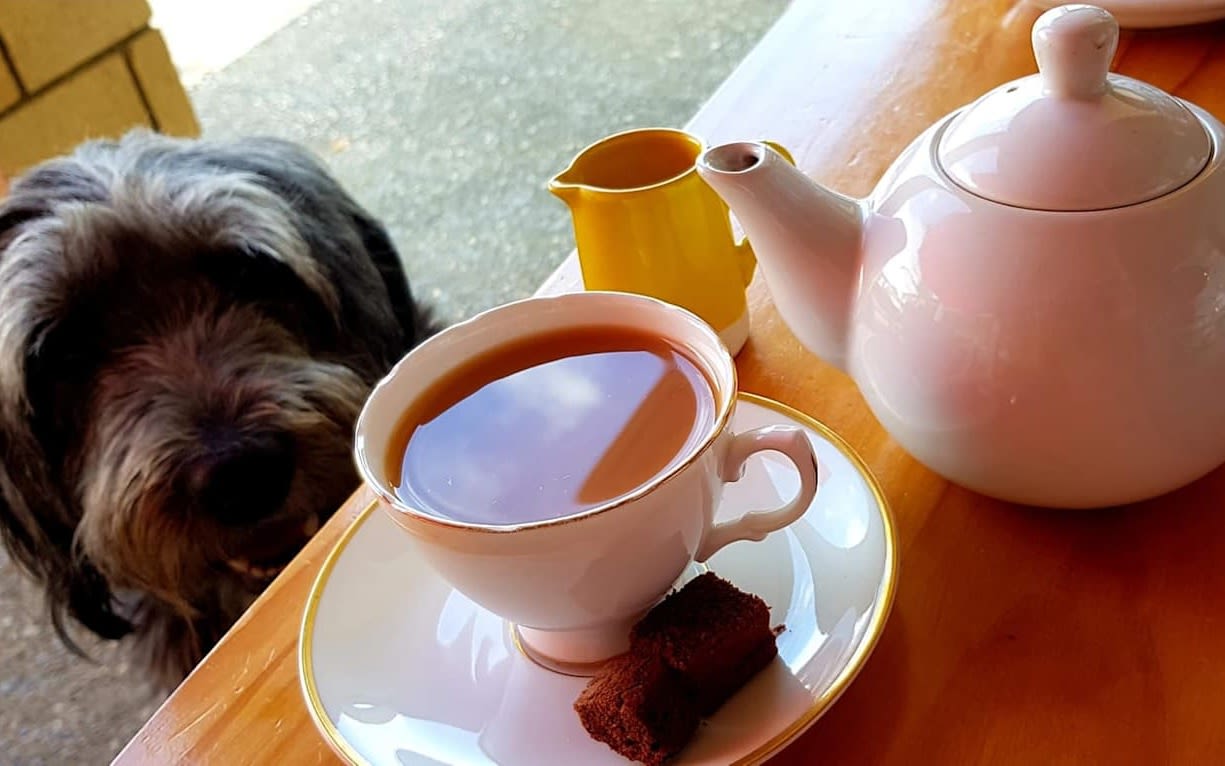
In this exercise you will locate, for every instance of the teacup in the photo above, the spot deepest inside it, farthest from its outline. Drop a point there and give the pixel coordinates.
(574, 585)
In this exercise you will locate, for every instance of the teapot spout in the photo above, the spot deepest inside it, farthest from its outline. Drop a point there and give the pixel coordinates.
(807, 240)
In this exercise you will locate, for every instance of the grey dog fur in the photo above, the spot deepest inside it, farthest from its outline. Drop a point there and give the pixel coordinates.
(152, 291)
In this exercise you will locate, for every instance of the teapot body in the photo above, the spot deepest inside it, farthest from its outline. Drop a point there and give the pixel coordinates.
(1062, 359)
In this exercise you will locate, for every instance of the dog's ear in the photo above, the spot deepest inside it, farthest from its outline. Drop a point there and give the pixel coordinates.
(417, 321)
(36, 525)
(38, 534)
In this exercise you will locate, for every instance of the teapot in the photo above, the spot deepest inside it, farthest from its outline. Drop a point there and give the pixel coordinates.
(1032, 299)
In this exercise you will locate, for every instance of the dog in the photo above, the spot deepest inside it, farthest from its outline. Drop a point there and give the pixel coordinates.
(188, 331)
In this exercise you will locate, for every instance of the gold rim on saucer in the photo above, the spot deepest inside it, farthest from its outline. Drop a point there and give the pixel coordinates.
(769, 748)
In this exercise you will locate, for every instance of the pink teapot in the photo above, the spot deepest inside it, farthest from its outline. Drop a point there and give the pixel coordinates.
(1032, 300)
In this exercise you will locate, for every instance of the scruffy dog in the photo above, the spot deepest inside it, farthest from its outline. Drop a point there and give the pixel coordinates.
(187, 333)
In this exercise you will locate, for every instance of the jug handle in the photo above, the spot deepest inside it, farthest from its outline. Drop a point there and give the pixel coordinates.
(748, 259)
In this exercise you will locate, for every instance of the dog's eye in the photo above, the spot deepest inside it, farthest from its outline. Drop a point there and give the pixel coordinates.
(57, 380)
(260, 280)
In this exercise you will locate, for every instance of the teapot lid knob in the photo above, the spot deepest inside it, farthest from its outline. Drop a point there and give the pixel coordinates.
(1074, 45)
(1075, 136)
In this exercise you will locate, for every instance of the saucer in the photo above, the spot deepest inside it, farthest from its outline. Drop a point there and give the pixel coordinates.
(1139, 14)
(399, 668)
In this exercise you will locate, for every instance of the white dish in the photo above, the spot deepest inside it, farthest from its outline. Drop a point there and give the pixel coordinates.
(399, 668)
(1140, 14)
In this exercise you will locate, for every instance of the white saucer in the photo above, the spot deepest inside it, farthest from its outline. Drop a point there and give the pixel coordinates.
(398, 668)
(1139, 14)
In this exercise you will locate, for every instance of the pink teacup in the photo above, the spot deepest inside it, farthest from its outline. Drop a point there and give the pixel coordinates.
(573, 586)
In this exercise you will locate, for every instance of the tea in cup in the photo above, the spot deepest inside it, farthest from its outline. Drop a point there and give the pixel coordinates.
(559, 461)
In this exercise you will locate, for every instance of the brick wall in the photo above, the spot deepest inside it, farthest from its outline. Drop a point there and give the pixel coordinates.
(77, 69)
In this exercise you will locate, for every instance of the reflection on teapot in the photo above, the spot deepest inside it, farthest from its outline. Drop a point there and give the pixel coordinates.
(1032, 300)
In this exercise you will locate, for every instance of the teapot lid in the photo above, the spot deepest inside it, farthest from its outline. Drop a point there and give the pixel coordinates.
(1074, 136)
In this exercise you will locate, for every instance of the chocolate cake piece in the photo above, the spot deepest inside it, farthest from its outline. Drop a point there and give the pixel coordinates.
(713, 634)
(687, 657)
(640, 708)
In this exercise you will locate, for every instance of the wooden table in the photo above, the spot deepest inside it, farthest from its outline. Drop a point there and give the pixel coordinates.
(1018, 635)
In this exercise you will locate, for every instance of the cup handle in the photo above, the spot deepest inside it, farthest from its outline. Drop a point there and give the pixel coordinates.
(748, 259)
(755, 525)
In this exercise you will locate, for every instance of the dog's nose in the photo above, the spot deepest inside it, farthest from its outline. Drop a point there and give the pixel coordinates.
(244, 480)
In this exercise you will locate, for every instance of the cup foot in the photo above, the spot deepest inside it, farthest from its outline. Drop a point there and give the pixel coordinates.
(574, 652)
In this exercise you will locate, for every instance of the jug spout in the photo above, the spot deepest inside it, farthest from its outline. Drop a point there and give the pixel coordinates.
(807, 240)
(564, 187)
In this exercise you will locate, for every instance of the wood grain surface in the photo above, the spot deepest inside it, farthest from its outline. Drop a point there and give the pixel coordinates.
(1019, 636)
